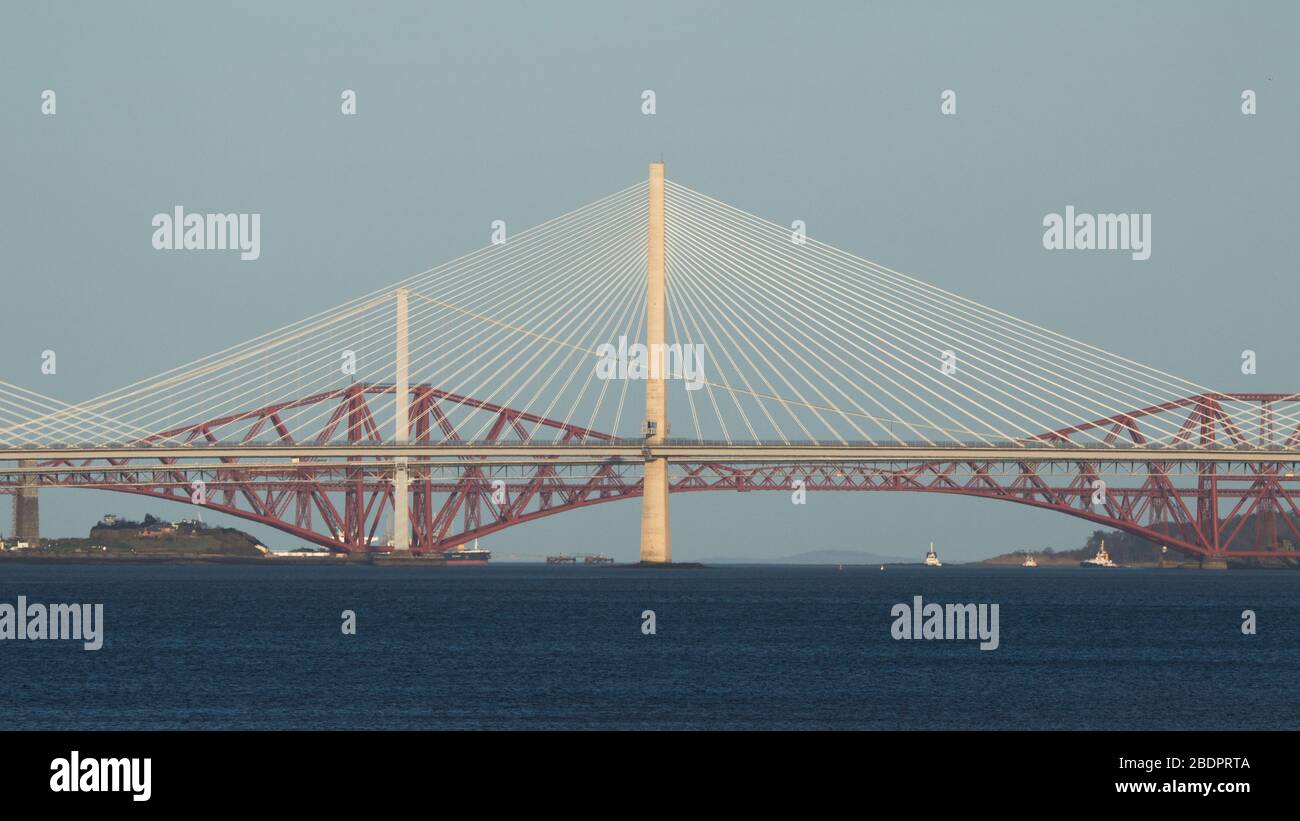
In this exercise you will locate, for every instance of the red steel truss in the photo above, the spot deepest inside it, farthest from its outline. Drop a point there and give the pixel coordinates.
(1196, 508)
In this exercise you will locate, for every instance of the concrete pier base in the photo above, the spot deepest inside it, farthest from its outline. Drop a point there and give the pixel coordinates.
(27, 509)
(656, 538)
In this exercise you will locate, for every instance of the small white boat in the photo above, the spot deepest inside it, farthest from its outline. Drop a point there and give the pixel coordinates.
(931, 558)
(1029, 561)
(1102, 559)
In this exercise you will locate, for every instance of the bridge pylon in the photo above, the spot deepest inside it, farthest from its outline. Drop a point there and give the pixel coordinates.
(402, 429)
(656, 538)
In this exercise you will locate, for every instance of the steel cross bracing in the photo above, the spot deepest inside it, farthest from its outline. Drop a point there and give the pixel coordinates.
(342, 503)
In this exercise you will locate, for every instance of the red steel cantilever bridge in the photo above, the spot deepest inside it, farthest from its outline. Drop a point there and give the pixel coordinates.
(500, 387)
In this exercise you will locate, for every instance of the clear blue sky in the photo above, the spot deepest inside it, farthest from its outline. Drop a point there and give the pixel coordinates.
(825, 112)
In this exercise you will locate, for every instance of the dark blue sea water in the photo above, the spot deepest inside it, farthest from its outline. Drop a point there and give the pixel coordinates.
(540, 647)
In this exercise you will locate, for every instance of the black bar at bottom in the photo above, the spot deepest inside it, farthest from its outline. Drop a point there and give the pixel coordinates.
(329, 770)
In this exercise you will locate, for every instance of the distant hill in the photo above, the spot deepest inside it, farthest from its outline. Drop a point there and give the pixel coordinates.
(159, 537)
(816, 557)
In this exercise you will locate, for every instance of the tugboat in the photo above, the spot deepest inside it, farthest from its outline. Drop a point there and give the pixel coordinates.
(1102, 559)
(462, 555)
(931, 558)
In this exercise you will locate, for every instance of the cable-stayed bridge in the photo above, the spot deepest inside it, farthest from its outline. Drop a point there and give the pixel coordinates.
(659, 341)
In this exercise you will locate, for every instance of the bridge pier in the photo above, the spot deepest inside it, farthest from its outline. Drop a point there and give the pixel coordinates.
(401, 396)
(656, 538)
(27, 512)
